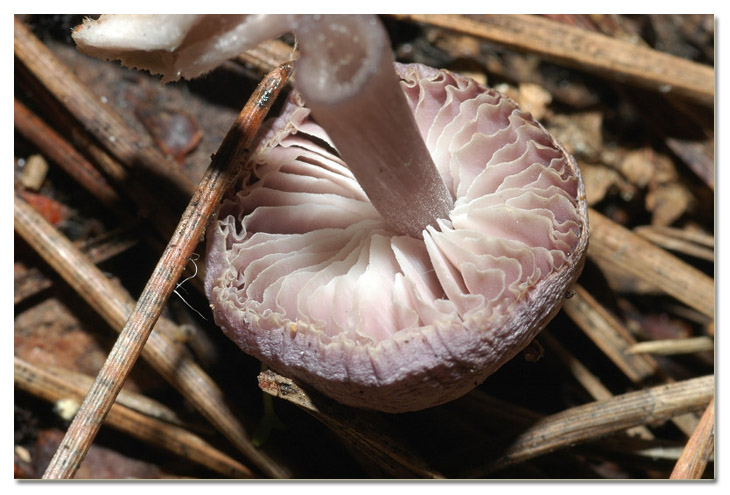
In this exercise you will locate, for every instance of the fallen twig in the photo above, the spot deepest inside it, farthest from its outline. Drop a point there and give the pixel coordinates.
(630, 252)
(588, 380)
(53, 387)
(673, 346)
(577, 47)
(699, 448)
(608, 333)
(99, 119)
(114, 304)
(220, 174)
(57, 149)
(591, 421)
(30, 281)
(691, 243)
(367, 432)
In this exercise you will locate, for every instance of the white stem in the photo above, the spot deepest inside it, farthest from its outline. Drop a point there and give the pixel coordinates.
(346, 76)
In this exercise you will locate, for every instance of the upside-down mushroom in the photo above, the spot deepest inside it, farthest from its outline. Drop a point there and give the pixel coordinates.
(399, 235)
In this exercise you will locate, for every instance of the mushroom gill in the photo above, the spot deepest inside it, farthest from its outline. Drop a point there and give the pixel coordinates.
(304, 274)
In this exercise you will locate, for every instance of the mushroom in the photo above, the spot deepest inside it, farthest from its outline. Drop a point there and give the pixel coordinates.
(399, 235)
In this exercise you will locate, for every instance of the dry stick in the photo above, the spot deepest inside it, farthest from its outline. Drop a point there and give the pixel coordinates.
(673, 346)
(364, 430)
(590, 421)
(694, 244)
(693, 236)
(58, 150)
(614, 339)
(163, 212)
(588, 380)
(699, 448)
(583, 375)
(55, 147)
(98, 118)
(498, 411)
(32, 280)
(583, 49)
(220, 174)
(109, 244)
(609, 334)
(131, 400)
(114, 304)
(653, 449)
(698, 155)
(268, 55)
(52, 387)
(628, 251)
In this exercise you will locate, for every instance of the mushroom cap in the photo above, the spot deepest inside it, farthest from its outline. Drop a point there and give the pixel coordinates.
(303, 274)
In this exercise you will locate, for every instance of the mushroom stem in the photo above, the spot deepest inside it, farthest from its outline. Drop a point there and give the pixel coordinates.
(345, 74)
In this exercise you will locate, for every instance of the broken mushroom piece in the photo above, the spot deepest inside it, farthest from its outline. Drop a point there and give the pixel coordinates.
(310, 270)
(175, 45)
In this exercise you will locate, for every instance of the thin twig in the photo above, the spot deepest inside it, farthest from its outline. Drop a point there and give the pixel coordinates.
(590, 421)
(32, 280)
(583, 375)
(268, 55)
(114, 304)
(691, 243)
(614, 339)
(132, 400)
(135, 176)
(608, 333)
(98, 118)
(699, 448)
(640, 447)
(626, 250)
(365, 431)
(58, 150)
(588, 380)
(53, 387)
(673, 346)
(220, 174)
(586, 50)
(479, 404)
